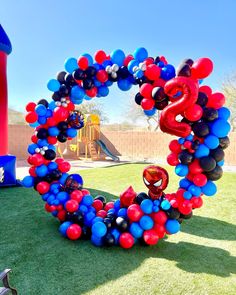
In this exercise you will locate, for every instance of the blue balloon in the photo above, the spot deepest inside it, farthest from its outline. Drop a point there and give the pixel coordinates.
(117, 205)
(122, 212)
(96, 219)
(99, 229)
(52, 166)
(221, 163)
(165, 205)
(103, 91)
(42, 120)
(150, 112)
(161, 64)
(28, 181)
(51, 200)
(116, 235)
(195, 190)
(97, 83)
(86, 97)
(77, 92)
(124, 84)
(83, 208)
(224, 113)
(117, 57)
(140, 54)
(181, 170)
(211, 141)
(202, 151)
(220, 128)
(53, 85)
(189, 137)
(155, 208)
(54, 186)
(89, 58)
(71, 132)
(139, 74)
(133, 63)
(41, 110)
(63, 178)
(136, 230)
(63, 197)
(184, 183)
(34, 125)
(52, 105)
(146, 206)
(71, 65)
(146, 222)
(107, 63)
(209, 189)
(88, 219)
(41, 170)
(63, 227)
(168, 72)
(45, 197)
(42, 142)
(97, 241)
(31, 148)
(172, 226)
(187, 195)
(181, 140)
(87, 200)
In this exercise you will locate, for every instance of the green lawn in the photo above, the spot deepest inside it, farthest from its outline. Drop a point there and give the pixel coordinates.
(199, 260)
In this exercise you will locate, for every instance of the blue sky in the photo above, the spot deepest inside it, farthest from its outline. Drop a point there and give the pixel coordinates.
(44, 33)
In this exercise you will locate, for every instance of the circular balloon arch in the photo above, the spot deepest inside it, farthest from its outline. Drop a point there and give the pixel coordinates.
(188, 110)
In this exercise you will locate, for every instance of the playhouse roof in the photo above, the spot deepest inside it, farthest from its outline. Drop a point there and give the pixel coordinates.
(5, 43)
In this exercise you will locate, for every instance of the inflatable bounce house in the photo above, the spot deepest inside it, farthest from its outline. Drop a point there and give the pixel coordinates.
(190, 111)
(7, 162)
(88, 143)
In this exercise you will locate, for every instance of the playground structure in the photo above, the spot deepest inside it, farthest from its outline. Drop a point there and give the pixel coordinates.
(88, 144)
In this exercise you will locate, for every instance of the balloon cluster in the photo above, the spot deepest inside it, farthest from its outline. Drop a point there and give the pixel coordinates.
(190, 111)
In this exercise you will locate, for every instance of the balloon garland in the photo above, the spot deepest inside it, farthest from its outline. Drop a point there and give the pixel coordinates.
(198, 155)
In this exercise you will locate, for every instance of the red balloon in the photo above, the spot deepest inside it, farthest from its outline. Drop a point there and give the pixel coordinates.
(36, 159)
(160, 230)
(34, 138)
(31, 117)
(128, 59)
(92, 92)
(77, 196)
(159, 83)
(98, 205)
(100, 56)
(59, 160)
(146, 90)
(200, 179)
(49, 208)
(61, 215)
(109, 206)
(194, 167)
(70, 106)
(193, 113)
(185, 207)
(175, 146)
(127, 197)
(30, 107)
(134, 212)
(148, 61)
(188, 144)
(73, 232)
(102, 76)
(32, 171)
(201, 68)
(83, 62)
(172, 159)
(43, 187)
(64, 167)
(174, 203)
(150, 237)
(51, 122)
(147, 104)
(216, 100)
(102, 213)
(206, 89)
(85, 192)
(196, 202)
(159, 217)
(52, 139)
(60, 114)
(126, 240)
(72, 206)
(152, 72)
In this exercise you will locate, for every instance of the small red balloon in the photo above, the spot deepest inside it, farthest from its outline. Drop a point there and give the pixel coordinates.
(83, 62)
(146, 90)
(128, 59)
(98, 205)
(200, 179)
(85, 192)
(36, 159)
(102, 213)
(43, 187)
(175, 146)
(52, 139)
(126, 240)
(100, 56)
(61, 215)
(64, 167)
(196, 202)
(108, 206)
(102, 76)
(60, 114)
(159, 217)
(72, 206)
(30, 107)
(31, 117)
(216, 100)
(147, 104)
(172, 159)
(160, 230)
(152, 72)
(185, 207)
(193, 113)
(134, 212)
(205, 89)
(77, 196)
(150, 237)
(201, 68)
(73, 232)
(194, 167)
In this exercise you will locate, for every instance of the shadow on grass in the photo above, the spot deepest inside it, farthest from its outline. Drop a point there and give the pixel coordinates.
(210, 228)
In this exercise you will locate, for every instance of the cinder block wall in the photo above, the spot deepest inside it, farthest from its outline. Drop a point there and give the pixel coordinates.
(134, 144)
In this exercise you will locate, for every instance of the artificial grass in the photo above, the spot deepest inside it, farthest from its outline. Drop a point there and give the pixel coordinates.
(199, 260)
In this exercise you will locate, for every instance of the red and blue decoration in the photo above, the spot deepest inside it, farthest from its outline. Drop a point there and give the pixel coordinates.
(188, 110)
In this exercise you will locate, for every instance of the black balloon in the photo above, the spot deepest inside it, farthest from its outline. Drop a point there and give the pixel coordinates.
(157, 60)
(122, 224)
(90, 72)
(62, 126)
(88, 84)
(185, 157)
(188, 61)
(210, 114)
(42, 133)
(173, 213)
(140, 197)
(123, 72)
(186, 216)
(224, 142)
(62, 137)
(200, 129)
(48, 178)
(184, 70)
(215, 174)
(195, 144)
(218, 154)
(80, 218)
(50, 154)
(63, 91)
(61, 77)
(207, 163)
(202, 99)
(108, 222)
(78, 74)
(101, 198)
(43, 102)
(55, 174)
(158, 94)
(162, 104)
(109, 240)
(69, 80)
(86, 232)
(138, 98)
(56, 96)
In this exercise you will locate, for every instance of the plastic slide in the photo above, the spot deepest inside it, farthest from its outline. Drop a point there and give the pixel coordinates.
(106, 150)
